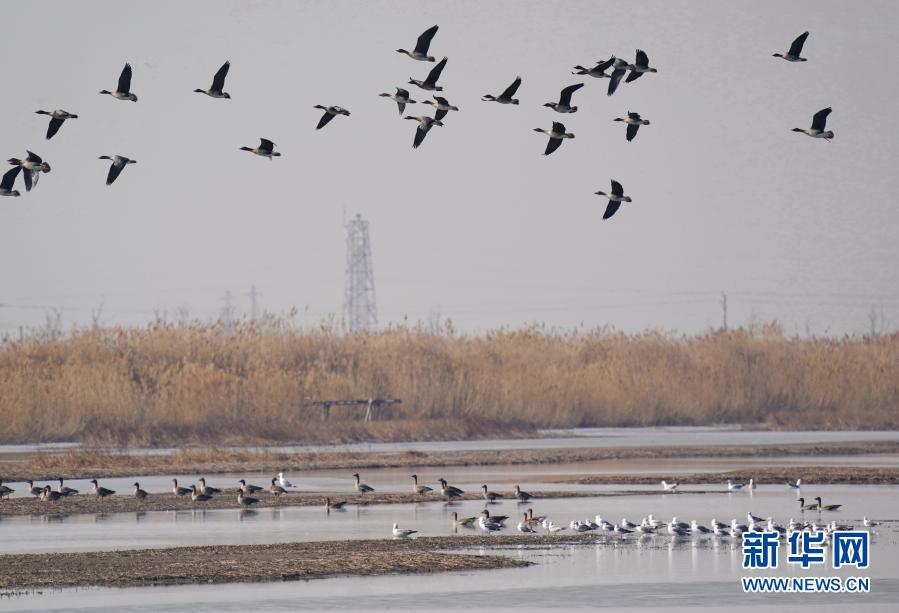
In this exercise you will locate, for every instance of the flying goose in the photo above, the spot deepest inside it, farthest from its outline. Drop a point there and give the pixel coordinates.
(65, 490)
(123, 91)
(598, 71)
(564, 103)
(179, 491)
(819, 120)
(633, 121)
(275, 489)
(669, 487)
(208, 489)
(33, 489)
(118, 164)
(402, 533)
(265, 149)
(245, 501)
(139, 493)
(284, 482)
(48, 495)
(490, 496)
(361, 487)
(401, 97)
(442, 105)
(330, 113)
(522, 496)
(619, 67)
(57, 117)
(337, 506)
(421, 490)
(826, 507)
(506, 96)
(795, 49)
(640, 66)
(5, 490)
(420, 52)
(9, 179)
(248, 489)
(33, 166)
(556, 134)
(100, 492)
(218, 83)
(615, 199)
(196, 496)
(424, 126)
(430, 83)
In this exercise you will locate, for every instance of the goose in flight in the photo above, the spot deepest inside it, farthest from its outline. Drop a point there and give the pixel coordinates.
(506, 96)
(793, 55)
(430, 83)
(615, 199)
(819, 120)
(401, 97)
(115, 169)
(57, 117)
(420, 52)
(424, 126)
(123, 91)
(9, 179)
(556, 134)
(564, 103)
(330, 113)
(633, 121)
(265, 149)
(598, 71)
(33, 166)
(619, 67)
(218, 83)
(640, 66)
(442, 105)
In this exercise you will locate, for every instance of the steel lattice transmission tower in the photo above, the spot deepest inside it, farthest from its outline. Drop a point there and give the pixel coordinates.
(359, 309)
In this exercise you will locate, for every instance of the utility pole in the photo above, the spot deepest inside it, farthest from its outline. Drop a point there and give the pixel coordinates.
(359, 306)
(253, 294)
(227, 316)
(724, 310)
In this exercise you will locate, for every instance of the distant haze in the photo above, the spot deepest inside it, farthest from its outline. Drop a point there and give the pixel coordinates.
(476, 224)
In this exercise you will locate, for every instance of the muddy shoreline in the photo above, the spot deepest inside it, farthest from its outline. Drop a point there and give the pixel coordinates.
(253, 563)
(86, 464)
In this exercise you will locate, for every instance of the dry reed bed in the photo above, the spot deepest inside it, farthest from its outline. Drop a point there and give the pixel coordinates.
(88, 463)
(167, 385)
(248, 563)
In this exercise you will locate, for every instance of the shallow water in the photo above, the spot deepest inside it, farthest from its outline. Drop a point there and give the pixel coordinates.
(560, 439)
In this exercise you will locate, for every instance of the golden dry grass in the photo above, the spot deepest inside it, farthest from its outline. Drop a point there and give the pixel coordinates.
(171, 385)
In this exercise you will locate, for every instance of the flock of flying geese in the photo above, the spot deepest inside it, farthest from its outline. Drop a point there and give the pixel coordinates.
(32, 165)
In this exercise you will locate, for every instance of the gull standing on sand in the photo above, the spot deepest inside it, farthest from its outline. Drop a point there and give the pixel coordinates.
(283, 482)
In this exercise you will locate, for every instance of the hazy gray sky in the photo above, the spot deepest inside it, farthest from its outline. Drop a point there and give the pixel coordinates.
(476, 222)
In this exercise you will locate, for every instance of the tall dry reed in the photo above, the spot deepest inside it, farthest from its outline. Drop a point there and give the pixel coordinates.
(171, 385)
